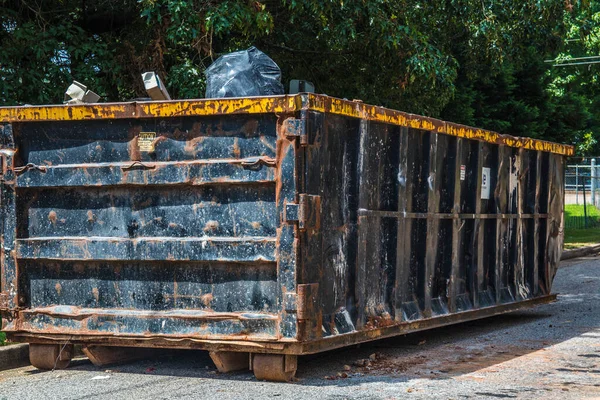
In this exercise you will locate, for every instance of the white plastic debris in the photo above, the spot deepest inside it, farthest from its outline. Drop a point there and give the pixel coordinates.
(78, 93)
(154, 86)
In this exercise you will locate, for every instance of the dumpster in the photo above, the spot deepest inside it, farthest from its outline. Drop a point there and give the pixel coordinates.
(264, 228)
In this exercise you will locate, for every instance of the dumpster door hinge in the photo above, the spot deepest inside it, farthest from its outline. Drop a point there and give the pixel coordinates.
(3, 301)
(304, 302)
(306, 212)
(307, 301)
(297, 127)
(7, 174)
(6, 312)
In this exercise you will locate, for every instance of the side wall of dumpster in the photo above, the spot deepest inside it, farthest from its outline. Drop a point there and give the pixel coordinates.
(154, 226)
(417, 224)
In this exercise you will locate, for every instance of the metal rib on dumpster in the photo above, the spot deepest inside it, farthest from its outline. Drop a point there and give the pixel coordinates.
(245, 171)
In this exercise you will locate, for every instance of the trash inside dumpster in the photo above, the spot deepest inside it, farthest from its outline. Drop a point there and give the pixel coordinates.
(264, 228)
(243, 73)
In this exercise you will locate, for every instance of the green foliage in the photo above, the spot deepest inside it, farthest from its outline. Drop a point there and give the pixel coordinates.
(575, 89)
(378, 51)
(2, 339)
(47, 46)
(478, 63)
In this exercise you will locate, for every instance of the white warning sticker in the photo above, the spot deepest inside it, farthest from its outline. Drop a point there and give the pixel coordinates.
(485, 183)
(146, 141)
(463, 172)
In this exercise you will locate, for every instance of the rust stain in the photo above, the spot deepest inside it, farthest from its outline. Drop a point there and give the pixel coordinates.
(58, 288)
(380, 322)
(250, 128)
(255, 225)
(267, 144)
(283, 143)
(96, 294)
(90, 216)
(206, 299)
(144, 204)
(211, 226)
(237, 152)
(133, 146)
(79, 268)
(193, 146)
(381, 319)
(342, 228)
(52, 217)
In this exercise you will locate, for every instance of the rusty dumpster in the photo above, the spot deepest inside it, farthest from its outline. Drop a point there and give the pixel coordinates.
(261, 229)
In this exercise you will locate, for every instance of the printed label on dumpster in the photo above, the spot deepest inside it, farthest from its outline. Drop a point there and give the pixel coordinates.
(463, 172)
(485, 183)
(146, 141)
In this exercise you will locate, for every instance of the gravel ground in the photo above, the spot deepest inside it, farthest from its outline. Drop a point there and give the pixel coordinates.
(551, 352)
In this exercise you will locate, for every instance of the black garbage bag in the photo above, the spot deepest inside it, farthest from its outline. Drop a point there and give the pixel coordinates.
(243, 73)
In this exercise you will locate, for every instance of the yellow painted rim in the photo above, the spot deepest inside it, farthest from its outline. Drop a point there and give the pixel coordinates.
(270, 105)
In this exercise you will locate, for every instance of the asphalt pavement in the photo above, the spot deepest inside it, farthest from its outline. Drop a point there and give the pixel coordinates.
(550, 352)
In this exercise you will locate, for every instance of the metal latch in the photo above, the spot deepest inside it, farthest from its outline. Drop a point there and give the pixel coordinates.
(25, 168)
(137, 165)
(297, 127)
(306, 212)
(258, 162)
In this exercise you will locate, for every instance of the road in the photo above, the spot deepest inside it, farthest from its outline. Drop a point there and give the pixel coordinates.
(551, 352)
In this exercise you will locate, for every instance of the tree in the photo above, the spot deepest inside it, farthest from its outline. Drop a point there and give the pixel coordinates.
(476, 62)
(574, 88)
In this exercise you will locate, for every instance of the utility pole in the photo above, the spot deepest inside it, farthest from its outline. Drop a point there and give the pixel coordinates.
(593, 183)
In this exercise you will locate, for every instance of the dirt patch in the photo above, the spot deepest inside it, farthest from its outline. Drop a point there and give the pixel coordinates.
(441, 362)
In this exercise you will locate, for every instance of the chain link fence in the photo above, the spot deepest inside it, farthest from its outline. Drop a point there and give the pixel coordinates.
(582, 195)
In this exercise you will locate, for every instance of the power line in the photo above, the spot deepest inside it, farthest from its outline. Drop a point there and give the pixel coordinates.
(578, 63)
(573, 59)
